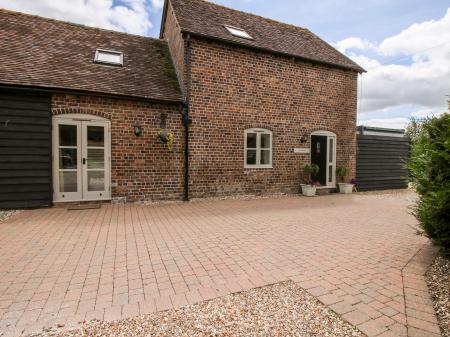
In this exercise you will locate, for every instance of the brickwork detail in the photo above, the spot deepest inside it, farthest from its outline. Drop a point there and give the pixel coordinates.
(142, 168)
(233, 88)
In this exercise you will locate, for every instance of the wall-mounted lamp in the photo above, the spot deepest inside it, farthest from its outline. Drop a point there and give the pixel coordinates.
(137, 129)
(304, 139)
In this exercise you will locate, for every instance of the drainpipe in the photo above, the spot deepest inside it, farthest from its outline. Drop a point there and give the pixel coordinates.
(187, 120)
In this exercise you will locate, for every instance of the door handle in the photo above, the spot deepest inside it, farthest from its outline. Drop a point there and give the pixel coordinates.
(84, 161)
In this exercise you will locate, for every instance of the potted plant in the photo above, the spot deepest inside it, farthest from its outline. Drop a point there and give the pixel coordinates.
(310, 186)
(346, 188)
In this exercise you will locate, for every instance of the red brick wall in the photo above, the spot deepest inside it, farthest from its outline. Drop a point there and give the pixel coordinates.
(172, 34)
(233, 89)
(142, 168)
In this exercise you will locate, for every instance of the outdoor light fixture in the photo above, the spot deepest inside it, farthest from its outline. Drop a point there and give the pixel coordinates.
(304, 139)
(137, 129)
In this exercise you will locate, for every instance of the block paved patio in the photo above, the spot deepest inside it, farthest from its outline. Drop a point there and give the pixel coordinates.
(358, 254)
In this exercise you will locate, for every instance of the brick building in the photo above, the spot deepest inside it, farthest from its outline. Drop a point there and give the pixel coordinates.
(224, 103)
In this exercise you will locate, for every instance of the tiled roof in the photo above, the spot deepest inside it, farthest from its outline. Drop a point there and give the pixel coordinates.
(203, 18)
(40, 52)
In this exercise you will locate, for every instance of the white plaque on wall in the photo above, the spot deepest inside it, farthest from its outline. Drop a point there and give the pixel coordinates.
(301, 150)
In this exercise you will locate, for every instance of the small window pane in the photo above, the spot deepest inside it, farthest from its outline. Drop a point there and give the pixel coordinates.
(67, 135)
(68, 182)
(111, 57)
(265, 141)
(238, 32)
(251, 140)
(96, 159)
(265, 157)
(95, 136)
(331, 150)
(251, 157)
(67, 158)
(96, 181)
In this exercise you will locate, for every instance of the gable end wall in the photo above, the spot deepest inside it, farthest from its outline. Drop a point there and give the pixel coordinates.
(234, 88)
(174, 38)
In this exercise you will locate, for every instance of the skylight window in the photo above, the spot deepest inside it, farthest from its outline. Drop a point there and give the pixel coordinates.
(108, 57)
(238, 32)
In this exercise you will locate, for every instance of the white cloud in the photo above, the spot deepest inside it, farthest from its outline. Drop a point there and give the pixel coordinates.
(130, 16)
(429, 112)
(389, 123)
(157, 4)
(353, 43)
(421, 82)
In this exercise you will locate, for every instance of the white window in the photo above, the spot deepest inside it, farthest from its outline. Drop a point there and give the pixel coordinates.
(258, 148)
(238, 32)
(108, 57)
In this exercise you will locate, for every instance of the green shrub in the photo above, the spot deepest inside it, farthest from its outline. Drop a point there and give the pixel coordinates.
(310, 170)
(342, 172)
(429, 169)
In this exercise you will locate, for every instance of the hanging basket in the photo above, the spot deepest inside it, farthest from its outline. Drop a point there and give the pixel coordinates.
(166, 137)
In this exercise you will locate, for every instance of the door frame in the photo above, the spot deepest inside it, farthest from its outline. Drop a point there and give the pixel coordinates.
(78, 119)
(329, 135)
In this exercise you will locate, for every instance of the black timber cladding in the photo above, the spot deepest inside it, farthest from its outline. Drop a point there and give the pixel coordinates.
(25, 150)
(380, 162)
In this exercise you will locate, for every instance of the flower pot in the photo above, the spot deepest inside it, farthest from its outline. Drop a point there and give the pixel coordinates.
(308, 190)
(345, 188)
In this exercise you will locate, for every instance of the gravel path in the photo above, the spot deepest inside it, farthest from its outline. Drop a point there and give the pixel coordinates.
(438, 278)
(283, 309)
(7, 214)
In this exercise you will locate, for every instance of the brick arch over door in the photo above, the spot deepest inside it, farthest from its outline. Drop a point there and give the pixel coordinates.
(81, 111)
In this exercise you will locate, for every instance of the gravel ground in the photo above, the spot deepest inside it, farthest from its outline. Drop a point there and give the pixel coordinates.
(282, 309)
(7, 214)
(438, 278)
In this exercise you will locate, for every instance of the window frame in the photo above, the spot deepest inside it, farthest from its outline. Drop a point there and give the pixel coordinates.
(98, 51)
(243, 35)
(258, 132)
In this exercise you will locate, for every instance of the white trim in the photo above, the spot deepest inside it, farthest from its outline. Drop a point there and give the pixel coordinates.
(82, 122)
(80, 117)
(238, 32)
(111, 52)
(323, 133)
(258, 149)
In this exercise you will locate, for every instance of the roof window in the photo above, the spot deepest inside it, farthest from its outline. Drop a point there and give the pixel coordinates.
(108, 57)
(238, 32)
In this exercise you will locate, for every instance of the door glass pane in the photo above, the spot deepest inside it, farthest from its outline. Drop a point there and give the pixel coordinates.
(331, 150)
(96, 181)
(251, 157)
(95, 136)
(251, 140)
(95, 158)
(68, 181)
(67, 158)
(330, 174)
(265, 141)
(265, 157)
(67, 135)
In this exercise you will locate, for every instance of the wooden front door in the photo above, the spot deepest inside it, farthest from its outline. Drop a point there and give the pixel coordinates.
(319, 157)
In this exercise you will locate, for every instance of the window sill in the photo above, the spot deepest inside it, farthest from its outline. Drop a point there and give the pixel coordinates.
(257, 167)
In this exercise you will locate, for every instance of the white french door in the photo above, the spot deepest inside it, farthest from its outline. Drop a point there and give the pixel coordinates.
(81, 159)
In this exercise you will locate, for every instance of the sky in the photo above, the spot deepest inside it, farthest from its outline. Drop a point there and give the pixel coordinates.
(403, 44)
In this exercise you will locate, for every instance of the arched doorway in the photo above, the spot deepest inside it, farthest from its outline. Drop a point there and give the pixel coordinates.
(81, 158)
(323, 154)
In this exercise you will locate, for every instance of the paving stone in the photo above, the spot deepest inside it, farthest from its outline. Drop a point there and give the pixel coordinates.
(142, 258)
